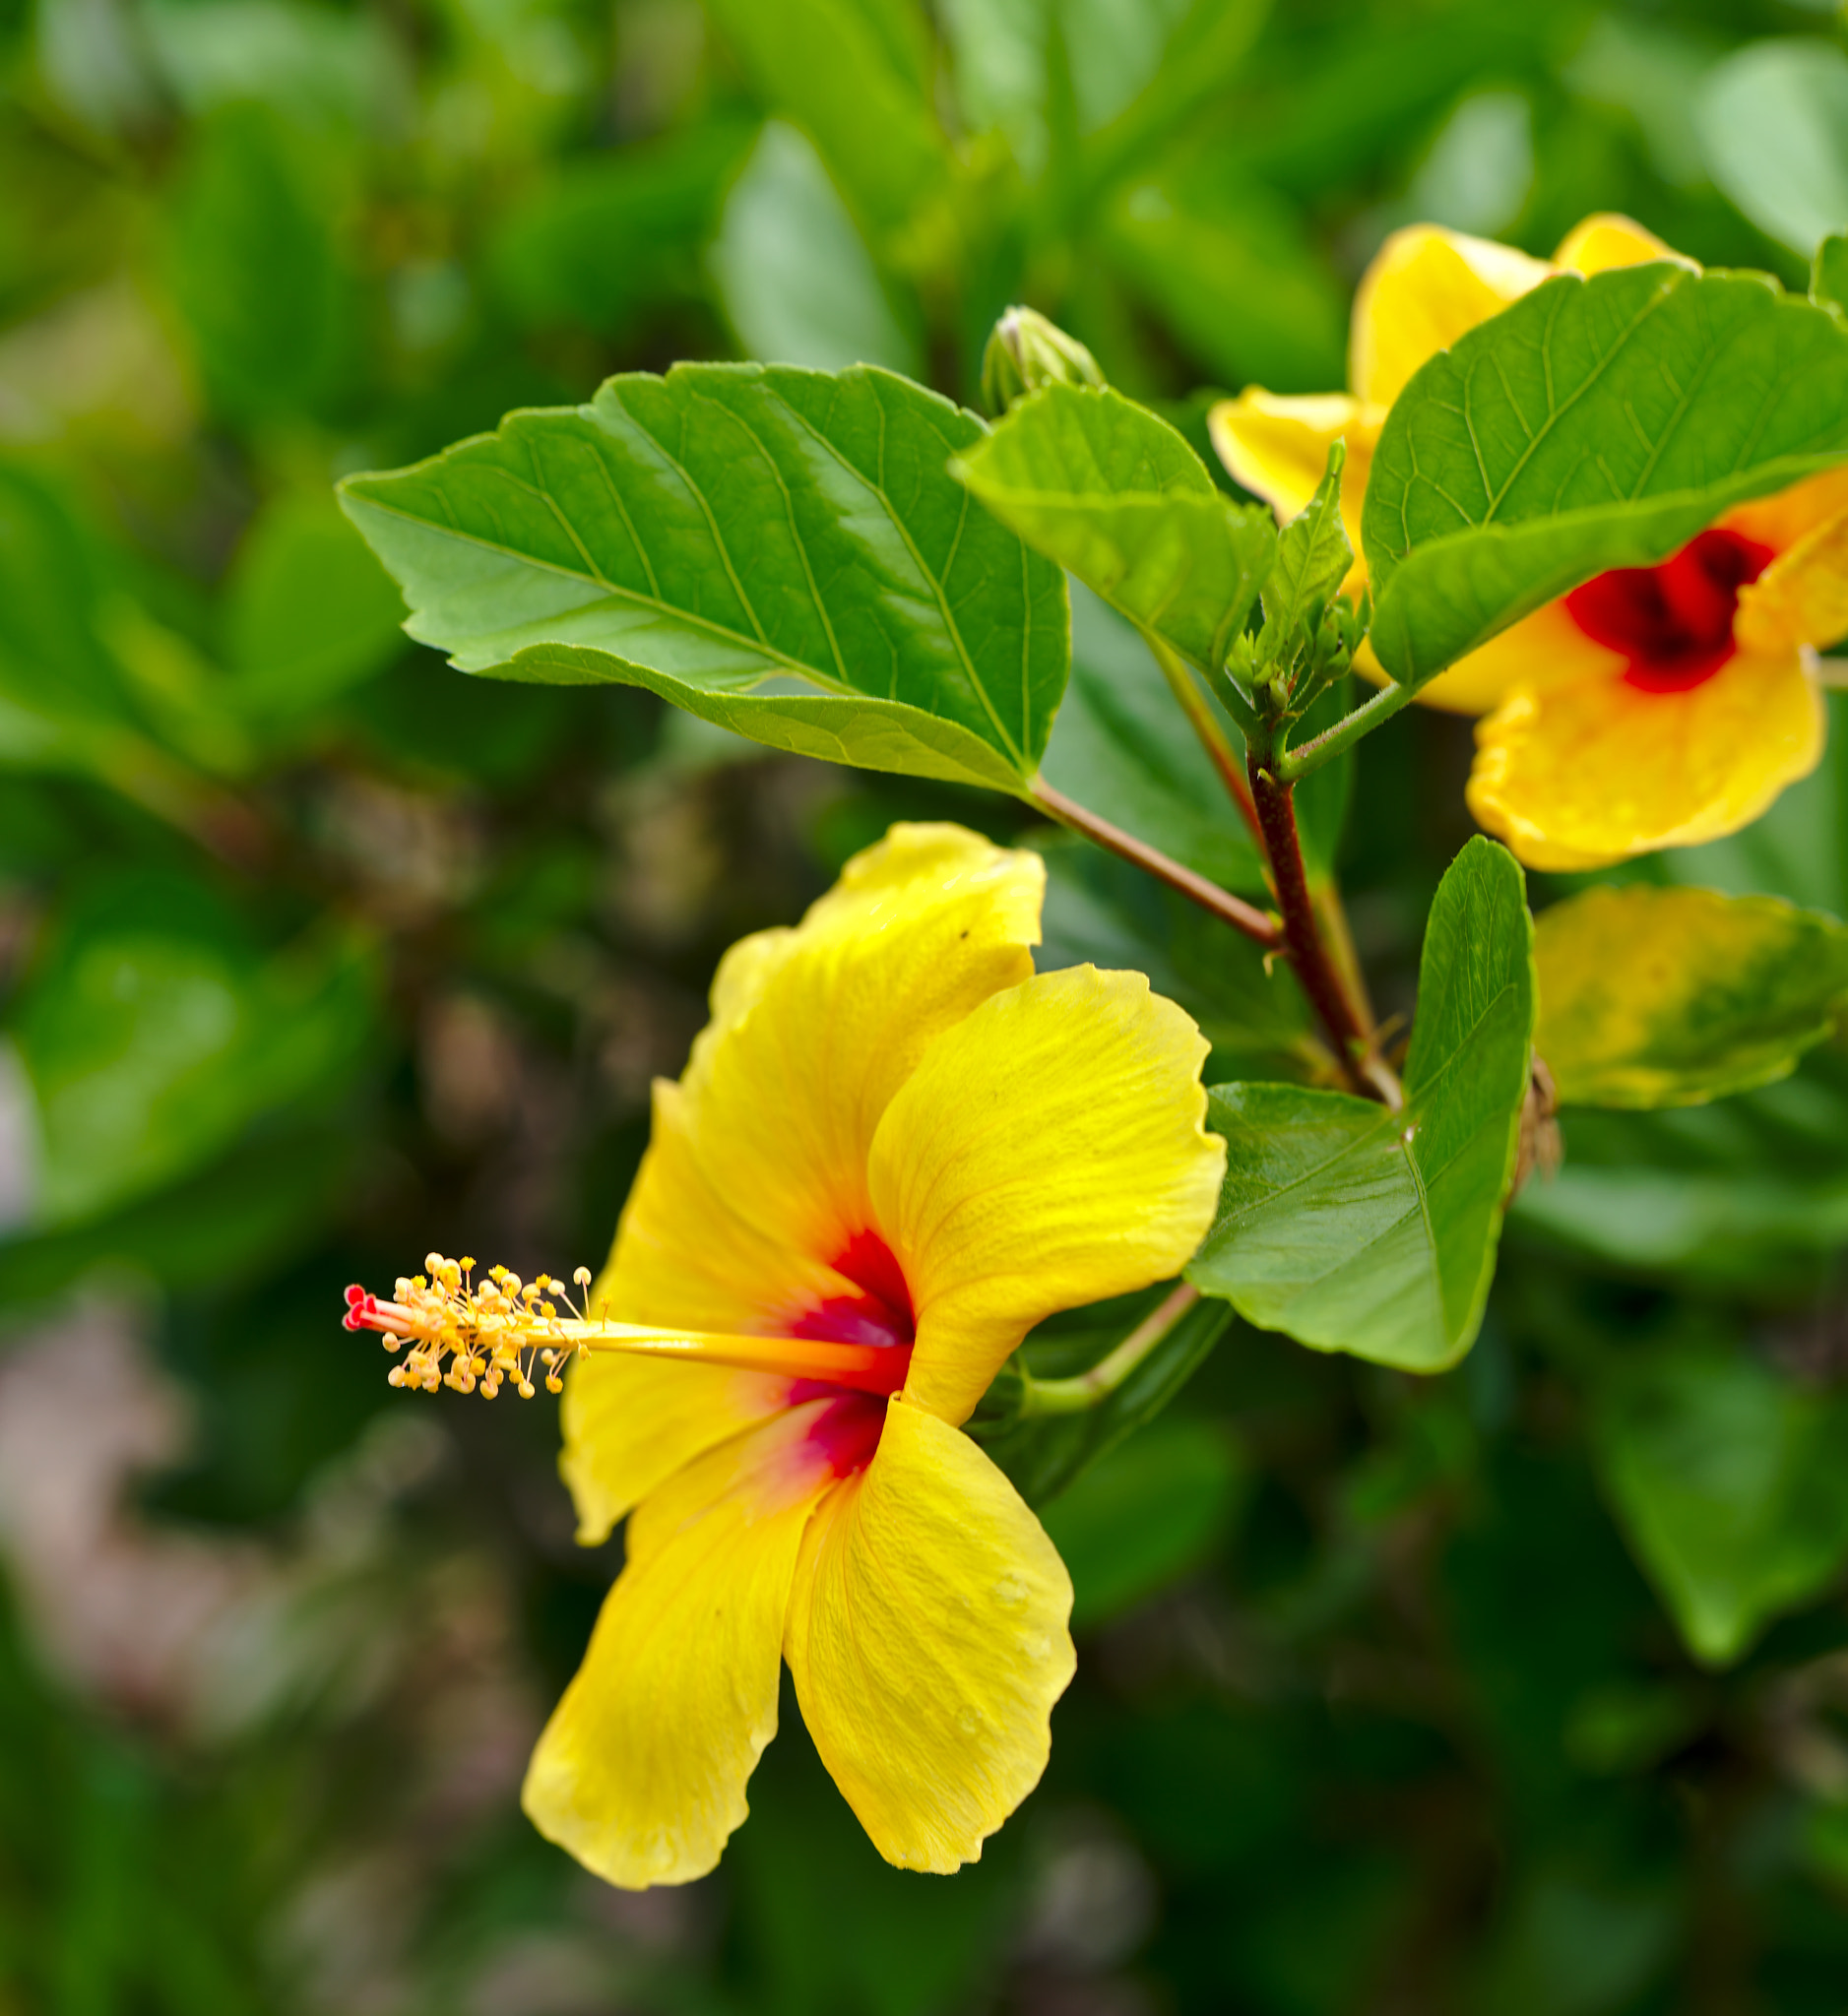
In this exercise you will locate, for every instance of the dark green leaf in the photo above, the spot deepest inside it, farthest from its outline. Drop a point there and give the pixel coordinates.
(269, 1198)
(308, 611)
(153, 1038)
(1354, 1228)
(1117, 496)
(1654, 998)
(1730, 1484)
(779, 552)
(256, 269)
(1230, 264)
(1145, 1516)
(1045, 1453)
(1595, 423)
(608, 236)
(1123, 747)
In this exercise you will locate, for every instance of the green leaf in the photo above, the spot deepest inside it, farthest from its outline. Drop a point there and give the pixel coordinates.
(1596, 423)
(1729, 1483)
(1774, 126)
(1829, 273)
(270, 1197)
(308, 611)
(841, 73)
(1313, 560)
(779, 552)
(255, 268)
(1652, 997)
(1354, 1228)
(1114, 494)
(154, 1037)
(1044, 1454)
(1102, 910)
(1231, 266)
(606, 238)
(795, 275)
(1122, 748)
(1150, 1513)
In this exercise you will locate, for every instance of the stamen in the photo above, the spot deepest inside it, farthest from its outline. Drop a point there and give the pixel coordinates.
(477, 1336)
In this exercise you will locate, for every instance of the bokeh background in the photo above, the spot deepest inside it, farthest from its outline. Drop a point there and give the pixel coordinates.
(314, 954)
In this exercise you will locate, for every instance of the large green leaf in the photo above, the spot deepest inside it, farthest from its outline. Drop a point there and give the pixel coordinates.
(1652, 997)
(780, 551)
(1123, 747)
(1729, 1483)
(1596, 423)
(1355, 1228)
(1114, 493)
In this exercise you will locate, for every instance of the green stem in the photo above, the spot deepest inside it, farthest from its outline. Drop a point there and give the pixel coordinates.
(1086, 1389)
(1293, 767)
(1256, 924)
(1204, 722)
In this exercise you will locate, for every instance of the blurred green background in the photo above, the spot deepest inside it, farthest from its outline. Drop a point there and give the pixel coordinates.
(315, 955)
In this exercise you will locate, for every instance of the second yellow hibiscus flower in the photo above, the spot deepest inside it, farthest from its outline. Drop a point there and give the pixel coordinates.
(1652, 706)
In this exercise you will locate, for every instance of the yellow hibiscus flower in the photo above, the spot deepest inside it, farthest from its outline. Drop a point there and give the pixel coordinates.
(894, 1150)
(1652, 706)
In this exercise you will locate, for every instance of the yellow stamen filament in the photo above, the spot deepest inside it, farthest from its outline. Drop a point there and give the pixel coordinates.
(477, 1336)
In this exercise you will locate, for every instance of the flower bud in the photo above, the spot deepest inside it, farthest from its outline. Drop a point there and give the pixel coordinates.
(1026, 351)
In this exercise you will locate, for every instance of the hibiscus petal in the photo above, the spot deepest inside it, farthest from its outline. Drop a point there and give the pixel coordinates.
(641, 1771)
(629, 1425)
(783, 1102)
(1278, 447)
(927, 1637)
(1540, 649)
(687, 1253)
(1048, 1151)
(1606, 240)
(1802, 597)
(1425, 288)
(1596, 770)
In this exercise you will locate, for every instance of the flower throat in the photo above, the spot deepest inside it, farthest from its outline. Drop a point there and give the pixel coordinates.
(1674, 623)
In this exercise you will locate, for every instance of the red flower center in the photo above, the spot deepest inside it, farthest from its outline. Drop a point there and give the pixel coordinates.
(1674, 622)
(881, 1313)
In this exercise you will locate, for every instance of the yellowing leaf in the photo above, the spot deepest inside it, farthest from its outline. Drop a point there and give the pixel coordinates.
(1657, 997)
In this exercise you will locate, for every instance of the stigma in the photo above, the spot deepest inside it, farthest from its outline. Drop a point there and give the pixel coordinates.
(479, 1336)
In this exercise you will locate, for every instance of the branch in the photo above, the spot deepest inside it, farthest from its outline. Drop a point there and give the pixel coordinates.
(1259, 926)
(1321, 982)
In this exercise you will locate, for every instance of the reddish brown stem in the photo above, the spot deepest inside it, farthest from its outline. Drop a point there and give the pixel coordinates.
(1256, 924)
(1317, 973)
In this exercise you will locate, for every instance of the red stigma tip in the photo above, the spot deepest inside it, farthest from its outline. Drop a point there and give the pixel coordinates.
(351, 1322)
(356, 1296)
